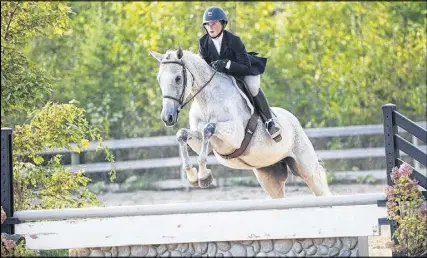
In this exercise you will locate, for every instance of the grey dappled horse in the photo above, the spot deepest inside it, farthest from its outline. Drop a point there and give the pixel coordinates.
(218, 117)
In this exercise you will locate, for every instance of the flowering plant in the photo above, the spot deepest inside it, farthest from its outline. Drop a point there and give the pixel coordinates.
(9, 248)
(408, 208)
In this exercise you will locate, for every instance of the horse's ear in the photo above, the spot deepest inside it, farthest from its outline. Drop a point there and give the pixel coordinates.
(156, 55)
(179, 53)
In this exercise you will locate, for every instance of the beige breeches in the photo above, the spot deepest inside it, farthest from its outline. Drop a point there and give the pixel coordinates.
(253, 82)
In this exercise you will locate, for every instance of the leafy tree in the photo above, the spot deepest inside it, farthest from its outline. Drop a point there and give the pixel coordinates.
(41, 182)
(23, 84)
(342, 61)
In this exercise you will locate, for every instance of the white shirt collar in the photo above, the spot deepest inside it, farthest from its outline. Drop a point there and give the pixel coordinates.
(217, 42)
(219, 39)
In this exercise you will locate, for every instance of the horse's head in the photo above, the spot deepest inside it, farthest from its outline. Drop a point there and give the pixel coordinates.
(173, 78)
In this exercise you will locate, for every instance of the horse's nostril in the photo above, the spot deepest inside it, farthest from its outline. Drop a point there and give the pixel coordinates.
(170, 119)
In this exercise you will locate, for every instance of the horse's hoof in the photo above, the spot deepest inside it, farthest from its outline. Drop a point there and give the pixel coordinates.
(206, 182)
(191, 175)
(194, 184)
(278, 138)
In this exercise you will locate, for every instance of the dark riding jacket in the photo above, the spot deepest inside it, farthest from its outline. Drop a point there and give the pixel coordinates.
(233, 49)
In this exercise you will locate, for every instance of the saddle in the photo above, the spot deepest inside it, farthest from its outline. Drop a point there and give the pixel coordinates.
(250, 126)
(244, 87)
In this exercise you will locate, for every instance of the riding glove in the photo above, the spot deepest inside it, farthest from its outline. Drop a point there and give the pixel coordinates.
(219, 65)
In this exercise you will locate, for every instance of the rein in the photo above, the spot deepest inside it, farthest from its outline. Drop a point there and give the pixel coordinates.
(181, 98)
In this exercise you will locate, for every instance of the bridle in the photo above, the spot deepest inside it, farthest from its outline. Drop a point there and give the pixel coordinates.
(180, 100)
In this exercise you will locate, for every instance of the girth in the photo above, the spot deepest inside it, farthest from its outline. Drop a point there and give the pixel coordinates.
(249, 131)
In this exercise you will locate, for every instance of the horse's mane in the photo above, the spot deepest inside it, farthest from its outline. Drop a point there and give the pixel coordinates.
(193, 61)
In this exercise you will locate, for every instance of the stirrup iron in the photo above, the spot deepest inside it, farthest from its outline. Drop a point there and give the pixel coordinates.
(275, 134)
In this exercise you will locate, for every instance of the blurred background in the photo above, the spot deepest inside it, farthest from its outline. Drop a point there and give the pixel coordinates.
(80, 72)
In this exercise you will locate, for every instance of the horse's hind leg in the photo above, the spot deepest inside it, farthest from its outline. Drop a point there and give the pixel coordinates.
(194, 139)
(307, 166)
(272, 179)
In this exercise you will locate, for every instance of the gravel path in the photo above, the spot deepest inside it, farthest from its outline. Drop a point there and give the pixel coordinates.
(218, 194)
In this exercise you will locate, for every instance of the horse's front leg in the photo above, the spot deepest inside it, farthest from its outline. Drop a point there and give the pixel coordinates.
(205, 177)
(223, 130)
(194, 139)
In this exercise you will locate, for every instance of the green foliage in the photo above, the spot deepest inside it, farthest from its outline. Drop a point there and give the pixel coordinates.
(341, 61)
(330, 177)
(54, 253)
(366, 179)
(23, 84)
(9, 249)
(330, 63)
(49, 182)
(407, 206)
(40, 181)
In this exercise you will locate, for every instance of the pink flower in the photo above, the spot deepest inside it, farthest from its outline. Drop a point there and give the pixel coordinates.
(414, 182)
(394, 173)
(389, 190)
(405, 169)
(3, 215)
(9, 244)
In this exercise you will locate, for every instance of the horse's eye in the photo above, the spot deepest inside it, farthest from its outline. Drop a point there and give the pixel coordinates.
(178, 79)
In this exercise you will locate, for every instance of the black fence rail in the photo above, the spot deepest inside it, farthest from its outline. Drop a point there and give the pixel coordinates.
(394, 143)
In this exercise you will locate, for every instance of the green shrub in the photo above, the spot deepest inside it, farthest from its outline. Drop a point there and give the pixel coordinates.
(45, 183)
(366, 179)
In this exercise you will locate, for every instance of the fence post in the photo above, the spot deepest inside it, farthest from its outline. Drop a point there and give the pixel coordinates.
(7, 178)
(75, 158)
(390, 129)
(391, 155)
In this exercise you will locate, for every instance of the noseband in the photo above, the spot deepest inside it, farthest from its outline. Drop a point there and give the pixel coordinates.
(180, 100)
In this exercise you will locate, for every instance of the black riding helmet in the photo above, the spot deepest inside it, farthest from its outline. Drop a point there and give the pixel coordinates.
(214, 13)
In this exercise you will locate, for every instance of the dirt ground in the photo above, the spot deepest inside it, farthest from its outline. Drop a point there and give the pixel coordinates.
(377, 244)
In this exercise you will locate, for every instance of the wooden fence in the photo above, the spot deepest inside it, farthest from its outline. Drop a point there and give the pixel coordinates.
(175, 162)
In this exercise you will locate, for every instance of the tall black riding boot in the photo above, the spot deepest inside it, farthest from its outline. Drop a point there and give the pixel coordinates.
(263, 108)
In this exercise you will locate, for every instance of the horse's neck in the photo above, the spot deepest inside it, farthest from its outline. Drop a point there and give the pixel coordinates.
(200, 69)
(217, 93)
(216, 90)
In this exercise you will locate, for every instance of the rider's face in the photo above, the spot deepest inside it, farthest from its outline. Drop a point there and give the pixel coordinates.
(213, 28)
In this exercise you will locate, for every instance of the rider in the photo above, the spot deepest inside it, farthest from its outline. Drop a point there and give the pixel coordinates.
(226, 53)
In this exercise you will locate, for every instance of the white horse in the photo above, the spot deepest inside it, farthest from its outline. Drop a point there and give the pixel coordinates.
(218, 117)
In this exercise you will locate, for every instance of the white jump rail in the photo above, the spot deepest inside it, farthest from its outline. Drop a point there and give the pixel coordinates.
(307, 225)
